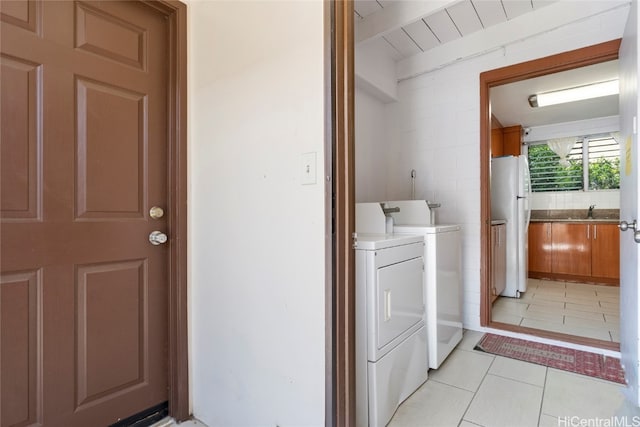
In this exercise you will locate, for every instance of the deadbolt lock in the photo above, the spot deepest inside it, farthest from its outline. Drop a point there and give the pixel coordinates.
(156, 212)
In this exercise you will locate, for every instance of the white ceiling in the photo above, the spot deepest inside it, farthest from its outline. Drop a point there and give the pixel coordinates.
(408, 28)
(509, 103)
(442, 24)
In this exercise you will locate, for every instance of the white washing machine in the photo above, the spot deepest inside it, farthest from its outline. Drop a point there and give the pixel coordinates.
(443, 274)
(391, 337)
(443, 284)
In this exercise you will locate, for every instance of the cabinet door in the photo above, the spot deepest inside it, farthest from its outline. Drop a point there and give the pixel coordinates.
(497, 146)
(571, 249)
(512, 140)
(500, 259)
(605, 251)
(540, 247)
(494, 240)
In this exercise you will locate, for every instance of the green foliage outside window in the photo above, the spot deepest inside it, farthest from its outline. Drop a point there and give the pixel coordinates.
(547, 174)
(604, 174)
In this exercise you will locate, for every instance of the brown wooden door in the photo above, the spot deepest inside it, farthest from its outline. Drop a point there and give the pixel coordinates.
(540, 247)
(605, 251)
(571, 249)
(83, 293)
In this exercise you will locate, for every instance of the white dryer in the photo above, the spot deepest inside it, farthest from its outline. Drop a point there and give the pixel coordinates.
(391, 337)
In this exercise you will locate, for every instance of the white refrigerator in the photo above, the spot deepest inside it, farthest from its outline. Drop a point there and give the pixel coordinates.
(510, 201)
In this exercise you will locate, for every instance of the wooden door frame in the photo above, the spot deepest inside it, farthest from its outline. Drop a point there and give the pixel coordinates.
(341, 294)
(577, 58)
(178, 355)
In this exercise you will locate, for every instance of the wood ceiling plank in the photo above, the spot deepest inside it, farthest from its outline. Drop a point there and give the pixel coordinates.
(403, 43)
(515, 8)
(490, 12)
(442, 26)
(365, 8)
(396, 15)
(465, 17)
(422, 35)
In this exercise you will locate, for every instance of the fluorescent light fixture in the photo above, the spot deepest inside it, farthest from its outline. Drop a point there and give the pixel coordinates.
(578, 93)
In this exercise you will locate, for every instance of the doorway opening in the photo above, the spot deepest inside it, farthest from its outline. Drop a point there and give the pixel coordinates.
(491, 79)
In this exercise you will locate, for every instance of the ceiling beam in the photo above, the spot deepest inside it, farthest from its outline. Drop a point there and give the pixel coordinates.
(396, 15)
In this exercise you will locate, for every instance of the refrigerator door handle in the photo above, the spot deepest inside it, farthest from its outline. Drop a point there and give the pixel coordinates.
(527, 211)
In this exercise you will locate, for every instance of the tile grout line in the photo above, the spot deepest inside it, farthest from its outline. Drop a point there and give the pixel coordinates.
(544, 389)
(476, 392)
(579, 297)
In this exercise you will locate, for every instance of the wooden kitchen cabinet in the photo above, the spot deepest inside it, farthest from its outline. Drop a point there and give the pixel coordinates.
(571, 248)
(498, 259)
(497, 144)
(540, 247)
(506, 141)
(605, 251)
(512, 140)
(575, 251)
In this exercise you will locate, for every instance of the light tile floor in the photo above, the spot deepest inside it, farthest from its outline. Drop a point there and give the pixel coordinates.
(473, 389)
(580, 309)
(168, 422)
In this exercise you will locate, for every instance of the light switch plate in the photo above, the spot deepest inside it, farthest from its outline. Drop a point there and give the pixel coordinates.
(308, 168)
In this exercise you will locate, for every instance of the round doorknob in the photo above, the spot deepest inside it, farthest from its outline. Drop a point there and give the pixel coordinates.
(157, 238)
(624, 226)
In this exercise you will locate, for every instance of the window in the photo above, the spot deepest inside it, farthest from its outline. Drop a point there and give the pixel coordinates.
(593, 160)
(604, 164)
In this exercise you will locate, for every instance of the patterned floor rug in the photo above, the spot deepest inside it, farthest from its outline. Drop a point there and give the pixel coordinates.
(580, 362)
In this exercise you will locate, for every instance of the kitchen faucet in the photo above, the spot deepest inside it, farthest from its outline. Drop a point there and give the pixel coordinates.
(590, 212)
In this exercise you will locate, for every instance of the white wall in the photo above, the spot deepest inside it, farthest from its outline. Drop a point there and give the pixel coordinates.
(375, 71)
(603, 199)
(257, 263)
(435, 126)
(372, 146)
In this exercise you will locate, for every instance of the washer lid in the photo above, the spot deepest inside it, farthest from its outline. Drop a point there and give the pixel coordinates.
(370, 242)
(425, 229)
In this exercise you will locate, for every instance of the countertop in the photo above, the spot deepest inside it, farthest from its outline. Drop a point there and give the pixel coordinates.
(578, 220)
(611, 216)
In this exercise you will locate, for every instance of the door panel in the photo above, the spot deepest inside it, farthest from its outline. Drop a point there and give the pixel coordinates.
(629, 206)
(20, 329)
(86, 156)
(23, 14)
(110, 36)
(20, 151)
(111, 328)
(110, 162)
